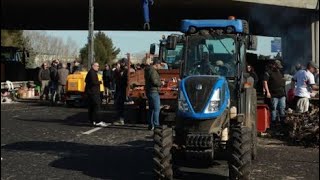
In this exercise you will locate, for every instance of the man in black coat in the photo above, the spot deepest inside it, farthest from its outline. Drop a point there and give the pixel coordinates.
(93, 93)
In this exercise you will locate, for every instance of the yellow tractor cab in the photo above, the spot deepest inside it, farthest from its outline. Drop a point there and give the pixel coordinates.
(75, 88)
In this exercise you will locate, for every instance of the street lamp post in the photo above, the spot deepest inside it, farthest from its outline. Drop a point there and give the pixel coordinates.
(90, 35)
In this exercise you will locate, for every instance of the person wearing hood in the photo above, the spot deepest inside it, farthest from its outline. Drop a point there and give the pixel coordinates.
(153, 84)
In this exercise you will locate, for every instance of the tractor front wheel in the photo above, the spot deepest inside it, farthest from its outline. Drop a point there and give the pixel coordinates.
(239, 147)
(163, 141)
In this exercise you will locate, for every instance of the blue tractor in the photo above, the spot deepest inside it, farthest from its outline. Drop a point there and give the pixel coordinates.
(216, 102)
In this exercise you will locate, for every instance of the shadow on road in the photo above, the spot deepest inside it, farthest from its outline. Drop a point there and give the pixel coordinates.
(77, 119)
(132, 160)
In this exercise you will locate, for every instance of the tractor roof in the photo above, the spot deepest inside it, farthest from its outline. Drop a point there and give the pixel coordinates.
(237, 24)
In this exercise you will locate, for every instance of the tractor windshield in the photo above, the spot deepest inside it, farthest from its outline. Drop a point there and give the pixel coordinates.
(210, 55)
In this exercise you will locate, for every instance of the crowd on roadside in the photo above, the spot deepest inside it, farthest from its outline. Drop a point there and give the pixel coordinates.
(304, 84)
(53, 79)
(116, 78)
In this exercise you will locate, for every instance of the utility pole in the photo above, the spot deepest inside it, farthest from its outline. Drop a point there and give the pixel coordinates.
(90, 35)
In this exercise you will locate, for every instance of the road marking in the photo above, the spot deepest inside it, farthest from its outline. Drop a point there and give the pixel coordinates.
(92, 130)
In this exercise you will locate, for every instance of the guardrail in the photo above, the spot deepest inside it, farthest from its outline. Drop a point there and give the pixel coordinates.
(16, 84)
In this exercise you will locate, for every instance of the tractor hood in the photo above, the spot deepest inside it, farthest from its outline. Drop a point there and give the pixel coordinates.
(203, 97)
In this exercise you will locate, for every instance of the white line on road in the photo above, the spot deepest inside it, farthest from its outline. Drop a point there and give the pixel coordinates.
(92, 130)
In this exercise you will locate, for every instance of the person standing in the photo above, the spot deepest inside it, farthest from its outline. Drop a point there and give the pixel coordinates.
(121, 81)
(274, 87)
(153, 84)
(253, 74)
(76, 67)
(305, 82)
(44, 78)
(92, 91)
(63, 73)
(53, 80)
(107, 77)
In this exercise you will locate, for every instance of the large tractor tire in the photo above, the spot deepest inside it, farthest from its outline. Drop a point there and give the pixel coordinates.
(251, 118)
(239, 147)
(163, 141)
(254, 131)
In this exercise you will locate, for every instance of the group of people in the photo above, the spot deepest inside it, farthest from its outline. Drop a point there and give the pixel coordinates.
(303, 83)
(53, 79)
(117, 78)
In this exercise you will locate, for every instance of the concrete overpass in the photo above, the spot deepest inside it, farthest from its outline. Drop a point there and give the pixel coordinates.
(296, 21)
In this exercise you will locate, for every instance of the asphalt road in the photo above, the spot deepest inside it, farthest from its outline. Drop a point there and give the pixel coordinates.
(43, 142)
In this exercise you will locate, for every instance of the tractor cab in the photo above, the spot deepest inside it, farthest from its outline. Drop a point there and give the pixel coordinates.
(213, 66)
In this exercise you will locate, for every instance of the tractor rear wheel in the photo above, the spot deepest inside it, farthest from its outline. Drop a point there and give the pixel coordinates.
(162, 160)
(239, 147)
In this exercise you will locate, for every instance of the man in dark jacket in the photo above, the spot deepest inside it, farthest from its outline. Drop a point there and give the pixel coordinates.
(53, 80)
(63, 73)
(44, 78)
(274, 87)
(107, 77)
(92, 90)
(121, 81)
(153, 84)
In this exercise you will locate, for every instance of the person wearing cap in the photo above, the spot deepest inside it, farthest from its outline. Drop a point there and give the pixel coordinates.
(304, 82)
(153, 84)
(274, 88)
(222, 70)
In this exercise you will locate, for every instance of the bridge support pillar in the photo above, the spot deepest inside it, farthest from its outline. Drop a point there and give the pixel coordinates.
(315, 41)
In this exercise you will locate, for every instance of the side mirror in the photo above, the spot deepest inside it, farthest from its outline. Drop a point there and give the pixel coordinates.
(252, 42)
(171, 42)
(152, 48)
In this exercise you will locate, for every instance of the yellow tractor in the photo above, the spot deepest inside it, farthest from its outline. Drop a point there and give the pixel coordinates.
(75, 88)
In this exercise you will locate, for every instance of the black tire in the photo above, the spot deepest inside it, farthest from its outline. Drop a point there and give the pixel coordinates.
(162, 153)
(251, 118)
(239, 147)
(254, 131)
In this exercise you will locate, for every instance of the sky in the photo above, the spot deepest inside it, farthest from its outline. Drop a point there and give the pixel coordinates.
(139, 41)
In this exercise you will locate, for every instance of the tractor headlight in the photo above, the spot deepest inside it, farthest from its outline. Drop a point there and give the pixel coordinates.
(182, 103)
(214, 103)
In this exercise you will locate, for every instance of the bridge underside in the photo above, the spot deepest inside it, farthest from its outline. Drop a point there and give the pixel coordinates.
(298, 27)
(127, 15)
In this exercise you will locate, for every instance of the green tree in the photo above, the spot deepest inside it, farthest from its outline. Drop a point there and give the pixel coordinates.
(16, 38)
(104, 51)
(13, 38)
